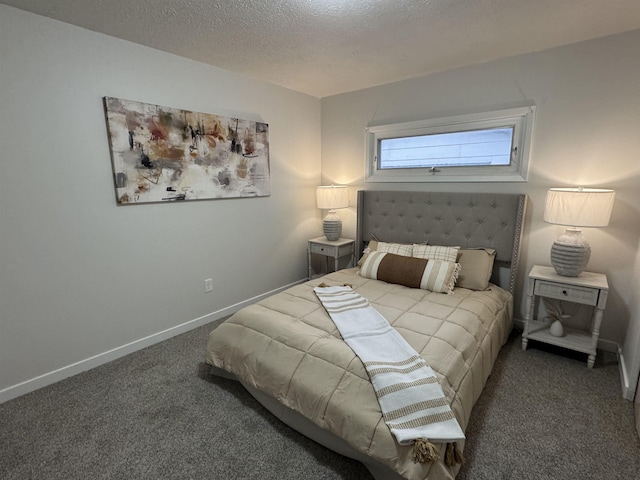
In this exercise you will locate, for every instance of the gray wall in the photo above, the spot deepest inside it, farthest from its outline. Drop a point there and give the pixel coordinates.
(83, 280)
(586, 133)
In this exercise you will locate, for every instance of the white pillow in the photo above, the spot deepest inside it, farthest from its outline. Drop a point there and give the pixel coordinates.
(403, 249)
(406, 250)
(435, 252)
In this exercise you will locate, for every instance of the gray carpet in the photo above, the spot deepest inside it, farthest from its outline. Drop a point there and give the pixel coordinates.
(155, 414)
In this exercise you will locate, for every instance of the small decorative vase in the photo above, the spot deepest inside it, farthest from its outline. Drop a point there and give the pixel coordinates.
(556, 329)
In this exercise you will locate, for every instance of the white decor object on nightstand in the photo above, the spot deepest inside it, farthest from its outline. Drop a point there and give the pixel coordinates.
(335, 249)
(575, 207)
(554, 309)
(587, 289)
(332, 198)
(556, 329)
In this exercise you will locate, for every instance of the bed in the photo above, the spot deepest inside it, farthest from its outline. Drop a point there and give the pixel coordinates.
(290, 356)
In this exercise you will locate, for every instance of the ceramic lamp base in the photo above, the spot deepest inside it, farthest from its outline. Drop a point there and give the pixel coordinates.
(570, 253)
(332, 226)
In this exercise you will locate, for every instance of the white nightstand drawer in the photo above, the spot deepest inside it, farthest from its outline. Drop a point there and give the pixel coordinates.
(571, 293)
(328, 250)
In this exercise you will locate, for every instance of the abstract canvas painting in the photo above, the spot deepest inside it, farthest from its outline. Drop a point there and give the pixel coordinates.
(163, 154)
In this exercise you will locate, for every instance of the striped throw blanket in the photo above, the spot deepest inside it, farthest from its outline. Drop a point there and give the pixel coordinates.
(411, 399)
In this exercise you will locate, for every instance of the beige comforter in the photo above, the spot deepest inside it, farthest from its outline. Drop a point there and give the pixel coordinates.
(287, 347)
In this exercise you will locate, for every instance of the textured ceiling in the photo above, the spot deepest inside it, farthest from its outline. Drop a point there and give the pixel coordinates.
(325, 47)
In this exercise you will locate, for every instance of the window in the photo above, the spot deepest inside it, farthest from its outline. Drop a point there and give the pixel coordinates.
(491, 146)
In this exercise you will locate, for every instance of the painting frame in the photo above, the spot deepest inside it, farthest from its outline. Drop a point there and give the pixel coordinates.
(163, 154)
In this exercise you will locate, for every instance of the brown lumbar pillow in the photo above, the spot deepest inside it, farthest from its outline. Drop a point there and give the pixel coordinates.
(432, 275)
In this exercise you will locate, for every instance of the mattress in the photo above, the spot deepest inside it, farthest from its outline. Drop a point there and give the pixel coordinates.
(287, 348)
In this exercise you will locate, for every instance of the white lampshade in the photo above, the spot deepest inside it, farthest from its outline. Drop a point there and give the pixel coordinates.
(331, 198)
(579, 207)
(576, 207)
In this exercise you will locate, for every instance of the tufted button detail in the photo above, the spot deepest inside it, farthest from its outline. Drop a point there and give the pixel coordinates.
(467, 237)
(449, 204)
(458, 220)
(494, 206)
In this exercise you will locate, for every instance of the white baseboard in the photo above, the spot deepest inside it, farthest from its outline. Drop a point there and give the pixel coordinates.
(608, 346)
(54, 376)
(628, 391)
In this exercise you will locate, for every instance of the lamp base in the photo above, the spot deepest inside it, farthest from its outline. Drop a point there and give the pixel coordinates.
(570, 253)
(332, 226)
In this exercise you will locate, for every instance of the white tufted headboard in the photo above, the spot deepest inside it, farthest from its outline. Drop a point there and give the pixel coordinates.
(465, 219)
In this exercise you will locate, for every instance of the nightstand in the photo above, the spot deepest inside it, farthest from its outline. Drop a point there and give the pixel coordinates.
(335, 249)
(587, 289)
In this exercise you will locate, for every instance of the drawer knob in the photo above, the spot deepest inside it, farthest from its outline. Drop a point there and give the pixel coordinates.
(565, 293)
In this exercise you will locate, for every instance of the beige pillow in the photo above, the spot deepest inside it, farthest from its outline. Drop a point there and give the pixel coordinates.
(476, 267)
(432, 275)
(435, 252)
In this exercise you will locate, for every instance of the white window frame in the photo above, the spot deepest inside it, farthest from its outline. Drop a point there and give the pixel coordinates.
(521, 119)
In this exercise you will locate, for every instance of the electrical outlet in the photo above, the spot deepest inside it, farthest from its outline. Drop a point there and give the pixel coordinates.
(208, 285)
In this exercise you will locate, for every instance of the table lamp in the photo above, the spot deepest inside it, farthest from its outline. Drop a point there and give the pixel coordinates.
(332, 198)
(575, 207)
